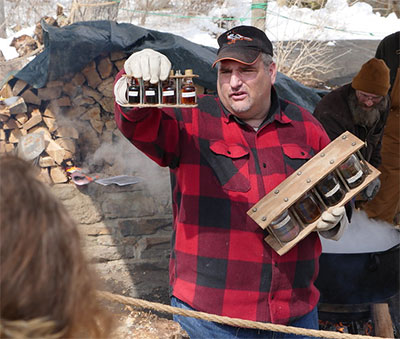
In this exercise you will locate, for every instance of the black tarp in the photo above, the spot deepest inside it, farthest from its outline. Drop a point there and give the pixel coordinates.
(70, 48)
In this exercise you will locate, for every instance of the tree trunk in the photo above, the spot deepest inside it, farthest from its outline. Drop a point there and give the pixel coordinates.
(258, 13)
(3, 25)
(94, 10)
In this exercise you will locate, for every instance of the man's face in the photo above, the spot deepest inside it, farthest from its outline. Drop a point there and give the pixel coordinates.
(368, 100)
(245, 90)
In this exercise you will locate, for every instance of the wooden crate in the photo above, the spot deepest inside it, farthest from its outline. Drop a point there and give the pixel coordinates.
(303, 180)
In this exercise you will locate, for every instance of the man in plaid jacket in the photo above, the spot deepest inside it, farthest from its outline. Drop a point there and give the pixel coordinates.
(224, 156)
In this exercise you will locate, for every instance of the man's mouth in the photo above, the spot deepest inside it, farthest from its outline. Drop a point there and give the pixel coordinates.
(238, 96)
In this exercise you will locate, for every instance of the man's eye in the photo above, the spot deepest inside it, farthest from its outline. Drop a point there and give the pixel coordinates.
(225, 71)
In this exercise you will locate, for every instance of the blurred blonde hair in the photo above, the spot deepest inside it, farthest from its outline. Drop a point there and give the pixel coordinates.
(45, 280)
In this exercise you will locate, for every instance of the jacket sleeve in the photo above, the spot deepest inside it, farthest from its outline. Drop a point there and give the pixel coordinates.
(151, 130)
(330, 120)
(376, 158)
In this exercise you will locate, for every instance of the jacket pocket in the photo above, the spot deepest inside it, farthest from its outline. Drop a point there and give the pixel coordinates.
(230, 165)
(295, 156)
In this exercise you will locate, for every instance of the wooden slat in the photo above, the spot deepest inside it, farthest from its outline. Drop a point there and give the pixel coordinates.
(383, 325)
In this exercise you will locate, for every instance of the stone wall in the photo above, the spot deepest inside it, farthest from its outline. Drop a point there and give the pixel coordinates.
(126, 232)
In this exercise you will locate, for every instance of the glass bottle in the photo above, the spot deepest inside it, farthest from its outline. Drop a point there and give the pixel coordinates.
(331, 189)
(168, 90)
(285, 227)
(134, 92)
(188, 91)
(150, 93)
(307, 208)
(352, 171)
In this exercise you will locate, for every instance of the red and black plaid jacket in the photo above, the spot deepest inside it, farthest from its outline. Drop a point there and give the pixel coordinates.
(220, 167)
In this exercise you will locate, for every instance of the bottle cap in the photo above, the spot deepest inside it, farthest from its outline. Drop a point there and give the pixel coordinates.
(188, 71)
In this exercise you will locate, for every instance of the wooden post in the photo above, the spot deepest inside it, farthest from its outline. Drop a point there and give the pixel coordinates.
(258, 13)
(382, 320)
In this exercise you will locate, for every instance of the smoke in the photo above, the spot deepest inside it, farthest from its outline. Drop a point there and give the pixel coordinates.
(363, 235)
(122, 158)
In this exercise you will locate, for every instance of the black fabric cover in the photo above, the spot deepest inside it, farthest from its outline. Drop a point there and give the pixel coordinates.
(70, 48)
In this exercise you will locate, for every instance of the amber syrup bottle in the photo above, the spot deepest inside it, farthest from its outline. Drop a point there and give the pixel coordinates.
(169, 90)
(307, 208)
(352, 171)
(134, 92)
(150, 93)
(331, 189)
(188, 91)
(284, 227)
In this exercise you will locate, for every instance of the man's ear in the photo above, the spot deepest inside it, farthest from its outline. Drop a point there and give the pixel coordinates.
(272, 70)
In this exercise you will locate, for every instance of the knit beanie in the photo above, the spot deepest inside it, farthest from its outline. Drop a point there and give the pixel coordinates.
(373, 77)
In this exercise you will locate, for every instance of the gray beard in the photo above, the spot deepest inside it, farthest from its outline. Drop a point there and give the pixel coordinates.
(363, 117)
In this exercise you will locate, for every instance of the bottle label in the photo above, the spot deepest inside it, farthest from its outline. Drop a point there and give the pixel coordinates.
(133, 93)
(282, 223)
(168, 93)
(332, 191)
(150, 93)
(188, 94)
(355, 177)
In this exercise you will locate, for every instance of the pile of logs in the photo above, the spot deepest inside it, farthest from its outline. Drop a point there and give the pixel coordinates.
(74, 115)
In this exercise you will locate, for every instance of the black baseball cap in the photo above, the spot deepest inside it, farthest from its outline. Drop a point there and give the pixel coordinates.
(243, 44)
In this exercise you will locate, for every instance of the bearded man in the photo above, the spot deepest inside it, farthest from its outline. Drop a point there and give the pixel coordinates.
(360, 107)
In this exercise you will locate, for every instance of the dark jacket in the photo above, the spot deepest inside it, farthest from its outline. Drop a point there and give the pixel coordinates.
(389, 50)
(334, 113)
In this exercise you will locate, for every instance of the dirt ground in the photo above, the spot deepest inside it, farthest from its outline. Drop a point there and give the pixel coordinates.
(146, 325)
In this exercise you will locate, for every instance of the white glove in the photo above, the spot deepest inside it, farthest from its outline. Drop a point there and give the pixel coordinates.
(148, 65)
(329, 221)
(120, 88)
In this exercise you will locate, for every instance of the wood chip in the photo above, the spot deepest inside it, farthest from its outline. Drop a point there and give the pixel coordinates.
(58, 175)
(67, 131)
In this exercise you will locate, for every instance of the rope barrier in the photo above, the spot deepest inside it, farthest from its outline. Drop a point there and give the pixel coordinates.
(260, 5)
(227, 320)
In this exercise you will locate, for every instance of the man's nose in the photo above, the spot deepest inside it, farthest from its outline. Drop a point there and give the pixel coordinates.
(236, 80)
(369, 102)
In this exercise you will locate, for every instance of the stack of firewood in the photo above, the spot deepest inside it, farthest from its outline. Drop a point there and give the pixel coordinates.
(74, 115)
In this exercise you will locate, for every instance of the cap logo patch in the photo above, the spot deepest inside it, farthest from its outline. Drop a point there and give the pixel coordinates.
(233, 37)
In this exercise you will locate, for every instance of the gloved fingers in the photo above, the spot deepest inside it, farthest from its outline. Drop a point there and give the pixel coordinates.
(372, 189)
(144, 68)
(120, 88)
(165, 67)
(329, 220)
(152, 72)
(149, 65)
(339, 211)
(131, 65)
(324, 225)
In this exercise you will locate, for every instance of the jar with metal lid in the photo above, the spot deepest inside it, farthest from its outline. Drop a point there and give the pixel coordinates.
(352, 171)
(169, 90)
(188, 90)
(331, 189)
(284, 227)
(307, 208)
